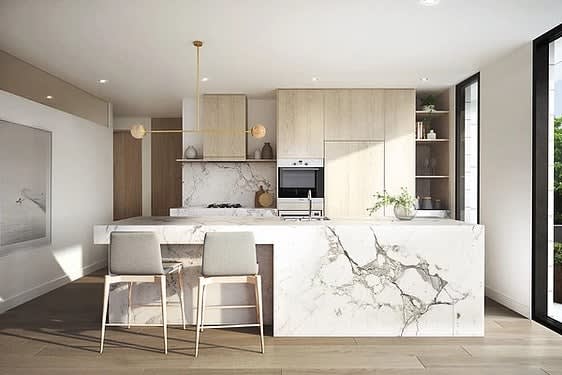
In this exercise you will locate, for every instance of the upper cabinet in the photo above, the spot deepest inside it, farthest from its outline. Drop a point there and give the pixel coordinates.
(399, 143)
(300, 124)
(354, 115)
(228, 114)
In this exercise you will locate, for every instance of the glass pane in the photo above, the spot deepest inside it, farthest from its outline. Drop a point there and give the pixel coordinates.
(467, 151)
(555, 181)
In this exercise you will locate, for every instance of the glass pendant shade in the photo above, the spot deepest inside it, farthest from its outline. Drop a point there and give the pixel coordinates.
(258, 131)
(138, 131)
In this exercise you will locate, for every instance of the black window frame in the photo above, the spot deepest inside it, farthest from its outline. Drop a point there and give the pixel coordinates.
(539, 290)
(459, 99)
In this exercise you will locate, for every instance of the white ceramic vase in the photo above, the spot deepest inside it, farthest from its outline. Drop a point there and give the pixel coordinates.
(190, 153)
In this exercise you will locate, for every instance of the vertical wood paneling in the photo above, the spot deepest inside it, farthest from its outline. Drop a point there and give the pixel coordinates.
(300, 124)
(227, 113)
(399, 153)
(127, 176)
(166, 172)
(354, 114)
(354, 173)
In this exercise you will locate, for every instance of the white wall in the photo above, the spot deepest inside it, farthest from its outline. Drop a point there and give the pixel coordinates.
(506, 177)
(120, 123)
(82, 195)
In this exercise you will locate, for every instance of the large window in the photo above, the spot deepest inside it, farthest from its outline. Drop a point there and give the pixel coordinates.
(547, 179)
(468, 150)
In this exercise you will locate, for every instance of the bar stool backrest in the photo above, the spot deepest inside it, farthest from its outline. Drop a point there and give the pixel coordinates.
(135, 253)
(229, 254)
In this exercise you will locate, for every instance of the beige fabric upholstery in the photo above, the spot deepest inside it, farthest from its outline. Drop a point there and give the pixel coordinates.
(135, 253)
(229, 254)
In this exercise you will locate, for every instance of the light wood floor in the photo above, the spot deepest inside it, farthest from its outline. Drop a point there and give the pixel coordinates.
(59, 334)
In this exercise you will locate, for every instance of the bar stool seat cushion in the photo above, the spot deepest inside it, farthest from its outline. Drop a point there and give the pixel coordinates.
(229, 254)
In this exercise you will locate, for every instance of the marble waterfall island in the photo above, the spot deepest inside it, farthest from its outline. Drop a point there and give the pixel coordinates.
(333, 278)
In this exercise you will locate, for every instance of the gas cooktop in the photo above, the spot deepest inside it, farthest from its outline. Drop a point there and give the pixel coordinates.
(224, 205)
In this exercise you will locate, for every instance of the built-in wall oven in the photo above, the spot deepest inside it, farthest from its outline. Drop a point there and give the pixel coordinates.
(300, 187)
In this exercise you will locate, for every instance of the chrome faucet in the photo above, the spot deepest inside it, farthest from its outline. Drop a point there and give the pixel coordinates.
(309, 205)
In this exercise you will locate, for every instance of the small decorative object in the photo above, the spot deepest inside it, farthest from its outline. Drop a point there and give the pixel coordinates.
(419, 130)
(267, 151)
(437, 204)
(431, 134)
(426, 203)
(428, 103)
(257, 154)
(417, 202)
(257, 198)
(404, 204)
(190, 153)
(265, 199)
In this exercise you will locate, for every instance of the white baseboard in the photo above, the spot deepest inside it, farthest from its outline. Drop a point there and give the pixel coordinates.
(50, 285)
(509, 302)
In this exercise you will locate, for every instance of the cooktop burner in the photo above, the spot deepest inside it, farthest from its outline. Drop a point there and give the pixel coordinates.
(224, 205)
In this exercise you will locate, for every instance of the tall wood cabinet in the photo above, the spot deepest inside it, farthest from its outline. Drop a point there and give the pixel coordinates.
(227, 113)
(354, 171)
(355, 114)
(300, 124)
(366, 137)
(399, 141)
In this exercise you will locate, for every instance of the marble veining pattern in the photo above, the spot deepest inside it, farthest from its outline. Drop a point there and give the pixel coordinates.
(210, 182)
(343, 277)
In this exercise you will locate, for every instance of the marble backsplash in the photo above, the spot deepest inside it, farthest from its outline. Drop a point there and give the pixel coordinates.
(211, 182)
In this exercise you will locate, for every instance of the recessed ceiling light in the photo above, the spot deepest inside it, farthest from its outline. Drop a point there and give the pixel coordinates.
(429, 3)
(102, 81)
(315, 79)
(204, 79)
(424, 79)
(48, 97)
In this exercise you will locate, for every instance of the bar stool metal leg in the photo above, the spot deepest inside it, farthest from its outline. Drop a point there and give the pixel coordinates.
(106, 285)
(182, 296)
(203, 304)
(164, 317)
(259, 308)
(198, 318)
(130, 310)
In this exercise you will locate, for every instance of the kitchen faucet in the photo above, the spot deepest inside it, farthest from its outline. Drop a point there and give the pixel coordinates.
(309, 205)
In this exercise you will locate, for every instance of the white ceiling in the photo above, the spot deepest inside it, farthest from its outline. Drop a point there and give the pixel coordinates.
(143, 47)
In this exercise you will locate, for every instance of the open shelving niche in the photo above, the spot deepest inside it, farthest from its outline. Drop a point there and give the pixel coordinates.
(434, 162)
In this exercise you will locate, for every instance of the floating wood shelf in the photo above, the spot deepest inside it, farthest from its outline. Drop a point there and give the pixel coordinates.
(432, 112)
(432, 176)
(226, 161)
(432, 140)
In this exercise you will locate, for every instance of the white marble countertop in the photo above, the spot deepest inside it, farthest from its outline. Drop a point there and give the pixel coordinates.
(252, 220)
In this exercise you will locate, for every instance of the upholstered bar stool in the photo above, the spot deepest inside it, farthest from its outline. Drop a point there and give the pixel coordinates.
(136, 257)
(229, 257)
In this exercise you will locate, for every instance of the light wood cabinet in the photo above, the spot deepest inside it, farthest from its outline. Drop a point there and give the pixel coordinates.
(354, 172)
(227, 113)
(300, 124)
(400, 147)
(354, 114)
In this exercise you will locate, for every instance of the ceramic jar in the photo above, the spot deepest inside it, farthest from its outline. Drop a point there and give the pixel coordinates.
(267, 151)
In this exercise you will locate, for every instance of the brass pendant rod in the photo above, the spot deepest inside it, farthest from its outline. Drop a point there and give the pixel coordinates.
(199, 131)
(198, 44)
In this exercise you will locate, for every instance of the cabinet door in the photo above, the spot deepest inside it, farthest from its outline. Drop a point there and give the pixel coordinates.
(226, 113)
(300, 124)
(352, 115)
(400, 146)
(354, 172)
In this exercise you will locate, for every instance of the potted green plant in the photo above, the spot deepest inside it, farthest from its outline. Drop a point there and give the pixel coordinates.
(428, 103)
(558, 272)
(403, 204)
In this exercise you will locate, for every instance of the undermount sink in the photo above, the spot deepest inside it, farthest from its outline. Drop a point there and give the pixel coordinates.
(313, 218)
